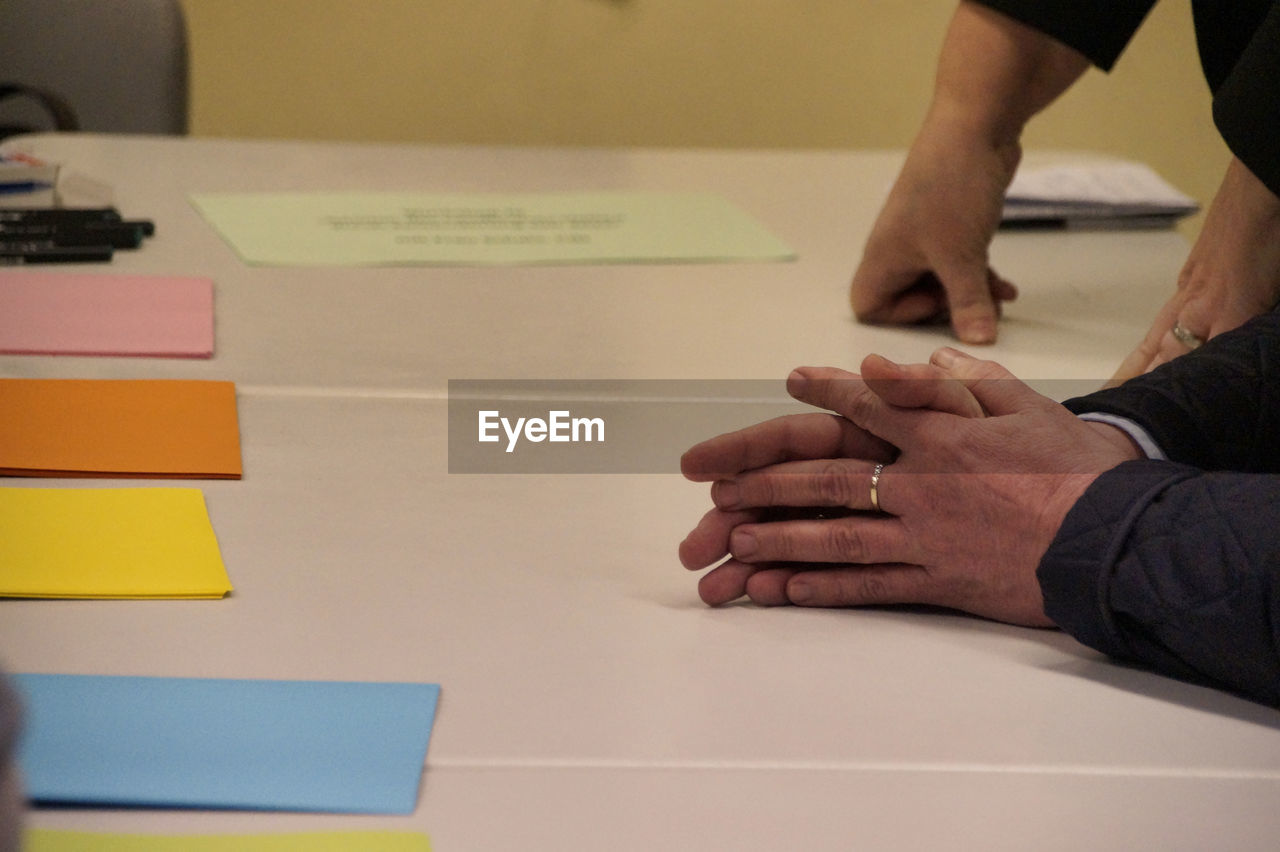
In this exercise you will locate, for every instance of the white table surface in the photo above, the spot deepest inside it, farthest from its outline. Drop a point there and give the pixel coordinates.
(589, 700)
(1087, 299)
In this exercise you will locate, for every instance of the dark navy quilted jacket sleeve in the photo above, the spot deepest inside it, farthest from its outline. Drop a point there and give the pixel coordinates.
(1168, 566)
(1176, 564)
(1217, 408)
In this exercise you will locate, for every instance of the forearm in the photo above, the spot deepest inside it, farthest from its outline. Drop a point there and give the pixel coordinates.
(1178, 570)
(995, 73)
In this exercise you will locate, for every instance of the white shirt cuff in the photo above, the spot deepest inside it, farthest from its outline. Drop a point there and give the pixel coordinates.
(1140, 436)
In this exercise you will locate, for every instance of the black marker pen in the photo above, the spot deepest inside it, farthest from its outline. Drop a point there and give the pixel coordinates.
(45, 251)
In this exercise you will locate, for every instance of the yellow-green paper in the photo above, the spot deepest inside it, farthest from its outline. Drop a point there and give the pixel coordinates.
(404, 229)
(108, 543)
(43, 840)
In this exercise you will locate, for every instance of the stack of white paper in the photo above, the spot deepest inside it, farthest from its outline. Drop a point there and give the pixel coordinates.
(1096, 195)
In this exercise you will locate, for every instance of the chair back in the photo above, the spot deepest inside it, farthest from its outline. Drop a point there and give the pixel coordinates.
(120, 66)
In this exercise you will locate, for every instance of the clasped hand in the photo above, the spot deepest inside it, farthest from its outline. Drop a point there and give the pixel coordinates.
(978, 472)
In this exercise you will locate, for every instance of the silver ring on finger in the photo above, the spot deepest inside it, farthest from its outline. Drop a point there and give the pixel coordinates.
(1187, 338)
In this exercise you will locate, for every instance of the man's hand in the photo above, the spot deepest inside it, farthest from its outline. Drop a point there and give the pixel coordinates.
(926, 257)
(969, 503)
(799, 437)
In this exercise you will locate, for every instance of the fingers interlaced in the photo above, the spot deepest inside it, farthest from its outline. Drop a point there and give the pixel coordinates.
(857, 539)
(726, 582)
(828, 482)
(997, 390)
(919, 386)
(813, 435)
(815, 585)
(871, 585)
(845, 394)
(709, 540)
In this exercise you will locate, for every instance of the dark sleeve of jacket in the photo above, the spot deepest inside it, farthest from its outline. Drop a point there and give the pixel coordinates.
(1239, 45)
(1100, 29)
(1246, 100)
(1176, 564)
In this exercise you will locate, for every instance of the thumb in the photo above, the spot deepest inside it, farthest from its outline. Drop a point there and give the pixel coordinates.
(972, 306)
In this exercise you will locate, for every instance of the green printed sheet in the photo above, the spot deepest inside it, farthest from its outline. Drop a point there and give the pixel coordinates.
(407, 229)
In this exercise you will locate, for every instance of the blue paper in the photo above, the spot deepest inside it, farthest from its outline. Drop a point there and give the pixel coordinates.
(251, 744)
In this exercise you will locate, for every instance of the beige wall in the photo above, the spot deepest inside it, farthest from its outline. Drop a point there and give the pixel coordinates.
(743, 73)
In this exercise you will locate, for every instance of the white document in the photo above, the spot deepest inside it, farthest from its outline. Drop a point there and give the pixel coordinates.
(1108, 194)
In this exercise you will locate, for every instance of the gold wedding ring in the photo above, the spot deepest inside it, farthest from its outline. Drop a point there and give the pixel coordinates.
(1186, 338)
(875, 487)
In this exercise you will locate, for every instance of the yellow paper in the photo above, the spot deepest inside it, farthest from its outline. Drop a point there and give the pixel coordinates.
(108, 543)
(43, 840)
(377, 228)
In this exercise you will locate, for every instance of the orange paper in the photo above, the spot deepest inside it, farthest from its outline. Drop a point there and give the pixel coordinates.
(119, 428)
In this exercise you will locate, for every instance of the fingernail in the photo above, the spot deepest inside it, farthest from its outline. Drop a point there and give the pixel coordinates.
(725, 494)
(799, 592)
(876, 358)
(742, 544)
(980, 332)
(796, 382)
(946, 357)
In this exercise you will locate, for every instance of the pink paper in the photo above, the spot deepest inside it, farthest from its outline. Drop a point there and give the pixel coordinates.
(95, 314)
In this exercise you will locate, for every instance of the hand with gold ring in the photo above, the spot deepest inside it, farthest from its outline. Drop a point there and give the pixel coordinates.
(1013, 474)
(875, 486)
(833, 442)
(1231, 275)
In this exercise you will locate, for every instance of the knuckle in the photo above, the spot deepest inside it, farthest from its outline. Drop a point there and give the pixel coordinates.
(978, 374)
(990, 370)
(760, 490)
(860, 587)
(872, 589)
(843, 543)
(834, 487)
(957, 440)
(778, 542)
(860, 404)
